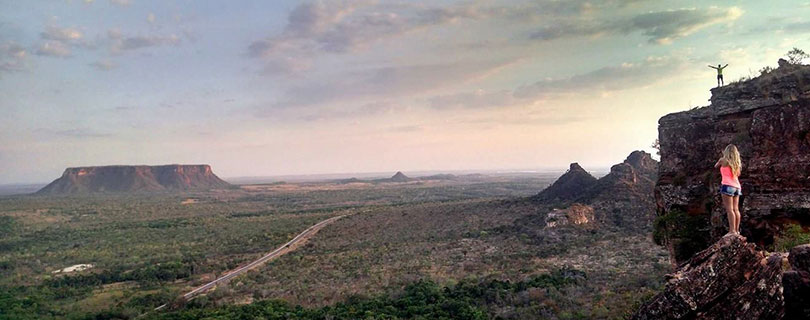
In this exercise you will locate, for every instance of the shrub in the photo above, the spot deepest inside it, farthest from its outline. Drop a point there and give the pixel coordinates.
(790, 237)
(796, 56)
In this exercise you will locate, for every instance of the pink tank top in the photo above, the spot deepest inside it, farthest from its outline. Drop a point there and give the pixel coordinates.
(729, 178)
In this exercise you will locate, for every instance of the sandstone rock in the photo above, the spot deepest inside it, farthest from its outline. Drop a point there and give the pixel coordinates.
(768, 118)
(575, 214)
(728, 280)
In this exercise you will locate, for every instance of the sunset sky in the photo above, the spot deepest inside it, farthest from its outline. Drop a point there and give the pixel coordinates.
(259, 88)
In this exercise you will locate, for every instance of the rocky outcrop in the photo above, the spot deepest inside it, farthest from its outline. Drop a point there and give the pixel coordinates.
(768, 118)
(796, 284)
(570, 186)
(121, 179)
(575, 214)
(728, 280)
(622, 198)
(718, 277)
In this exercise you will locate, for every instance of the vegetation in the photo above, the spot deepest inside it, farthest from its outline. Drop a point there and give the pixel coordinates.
(792, 236)
(423, 299)
(451, 239)
(796, 56)
(690, 231)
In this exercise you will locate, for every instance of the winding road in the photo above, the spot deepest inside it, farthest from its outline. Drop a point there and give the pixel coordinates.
(287, 247)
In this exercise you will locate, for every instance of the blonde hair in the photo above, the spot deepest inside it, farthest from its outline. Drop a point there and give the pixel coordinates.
(731, 158)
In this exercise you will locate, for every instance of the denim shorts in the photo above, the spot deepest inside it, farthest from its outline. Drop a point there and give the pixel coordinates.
(730, 191)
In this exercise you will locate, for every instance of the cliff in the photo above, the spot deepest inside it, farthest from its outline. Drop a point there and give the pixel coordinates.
(120, 179)
(732, 277)
(768, 118)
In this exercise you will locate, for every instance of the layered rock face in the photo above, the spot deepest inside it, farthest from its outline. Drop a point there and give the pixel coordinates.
(733, 280)
(623, 197)
(118, 179)
(727, 277)
(768, 118)
(729, 280)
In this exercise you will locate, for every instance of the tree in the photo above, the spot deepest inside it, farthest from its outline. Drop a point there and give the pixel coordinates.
(796, 56)
(765, 70)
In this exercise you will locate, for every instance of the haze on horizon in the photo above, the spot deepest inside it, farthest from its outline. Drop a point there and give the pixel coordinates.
(304, 87)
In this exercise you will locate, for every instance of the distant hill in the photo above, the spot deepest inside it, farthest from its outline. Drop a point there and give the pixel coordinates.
(569, 186)
(400, 177)
(623, 197)
(123, 179)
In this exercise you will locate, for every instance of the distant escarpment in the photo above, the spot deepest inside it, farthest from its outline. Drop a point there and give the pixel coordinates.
(622, 198)
(768, 118)
(123, 179)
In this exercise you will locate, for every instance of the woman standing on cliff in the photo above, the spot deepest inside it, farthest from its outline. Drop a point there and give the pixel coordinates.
(730, 188)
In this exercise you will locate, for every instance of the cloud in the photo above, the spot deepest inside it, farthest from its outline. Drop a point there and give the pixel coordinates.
(474, 100)
(122, 3)
(12, 57)
(53, 48)
(59, 42)
(406, 128)
(61, 34)
(321, 27)
(120, 42)
(391, 81)
(613, 78)
(325, 114)
(74, 133)
(606, 79)
(660, 27)
(103, 65)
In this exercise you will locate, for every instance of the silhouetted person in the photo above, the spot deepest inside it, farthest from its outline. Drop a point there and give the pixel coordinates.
(719, 73)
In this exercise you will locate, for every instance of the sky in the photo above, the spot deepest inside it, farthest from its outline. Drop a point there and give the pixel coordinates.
(262, 88)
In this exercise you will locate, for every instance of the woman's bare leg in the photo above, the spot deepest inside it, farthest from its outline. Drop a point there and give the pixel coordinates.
(737, 215)
(728, 204)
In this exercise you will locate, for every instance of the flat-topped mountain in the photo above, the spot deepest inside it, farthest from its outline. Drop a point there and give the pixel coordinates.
(122, 179)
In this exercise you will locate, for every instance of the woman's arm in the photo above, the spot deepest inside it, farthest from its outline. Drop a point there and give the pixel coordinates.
(718, 163)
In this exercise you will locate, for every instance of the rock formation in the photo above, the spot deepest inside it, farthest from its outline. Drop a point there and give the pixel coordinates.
(399, 177)
(623, 197)
(119, 179)
(768, 118)
(570, 186)
(575, 214)
(729, 280)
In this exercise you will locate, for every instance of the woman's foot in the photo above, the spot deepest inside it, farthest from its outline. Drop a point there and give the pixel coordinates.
(728, 234)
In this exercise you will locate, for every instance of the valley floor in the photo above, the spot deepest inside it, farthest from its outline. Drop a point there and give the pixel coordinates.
(147, 250)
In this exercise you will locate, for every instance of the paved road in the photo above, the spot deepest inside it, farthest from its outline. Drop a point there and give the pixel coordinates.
(275, 253)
